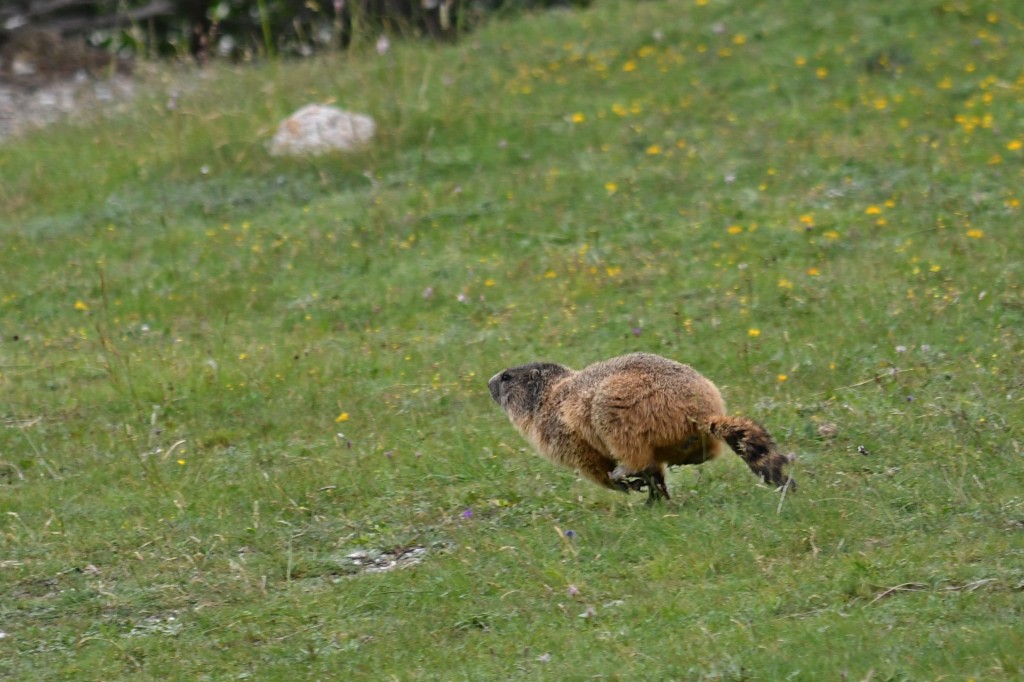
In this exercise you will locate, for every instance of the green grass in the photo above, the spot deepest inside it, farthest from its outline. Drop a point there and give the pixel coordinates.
(816, 204)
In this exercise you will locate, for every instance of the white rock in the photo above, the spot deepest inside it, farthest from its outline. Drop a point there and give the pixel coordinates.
(316, 129)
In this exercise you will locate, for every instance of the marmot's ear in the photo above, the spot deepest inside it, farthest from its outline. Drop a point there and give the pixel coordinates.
(534, 373)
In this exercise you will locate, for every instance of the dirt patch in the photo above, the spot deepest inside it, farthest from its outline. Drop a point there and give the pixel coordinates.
(381, 561)
(23, 110)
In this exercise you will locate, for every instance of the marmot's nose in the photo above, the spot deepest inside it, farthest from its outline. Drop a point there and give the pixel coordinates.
(492, 386)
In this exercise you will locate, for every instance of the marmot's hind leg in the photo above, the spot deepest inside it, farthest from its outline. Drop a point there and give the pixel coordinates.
(655, 476)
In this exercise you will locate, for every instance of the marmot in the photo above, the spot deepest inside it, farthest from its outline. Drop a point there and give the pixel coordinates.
(621, 421)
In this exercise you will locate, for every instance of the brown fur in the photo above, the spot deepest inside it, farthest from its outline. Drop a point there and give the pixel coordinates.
(627, 418)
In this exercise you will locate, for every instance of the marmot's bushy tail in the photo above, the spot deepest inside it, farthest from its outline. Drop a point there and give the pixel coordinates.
(749, 440)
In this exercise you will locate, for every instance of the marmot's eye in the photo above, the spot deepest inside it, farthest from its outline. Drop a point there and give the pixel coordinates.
(505, 376)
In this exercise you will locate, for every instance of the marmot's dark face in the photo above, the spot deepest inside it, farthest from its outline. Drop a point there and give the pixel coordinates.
(520, 390)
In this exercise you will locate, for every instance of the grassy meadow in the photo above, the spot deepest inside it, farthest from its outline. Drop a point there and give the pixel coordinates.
(234, 388)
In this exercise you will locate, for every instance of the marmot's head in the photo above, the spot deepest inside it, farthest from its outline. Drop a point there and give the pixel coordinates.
(520, 390)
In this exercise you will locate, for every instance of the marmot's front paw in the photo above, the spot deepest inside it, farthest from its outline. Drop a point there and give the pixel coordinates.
(626, 480)
(621, 473)
(621, 486)
(628, 485)
(636, 483)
